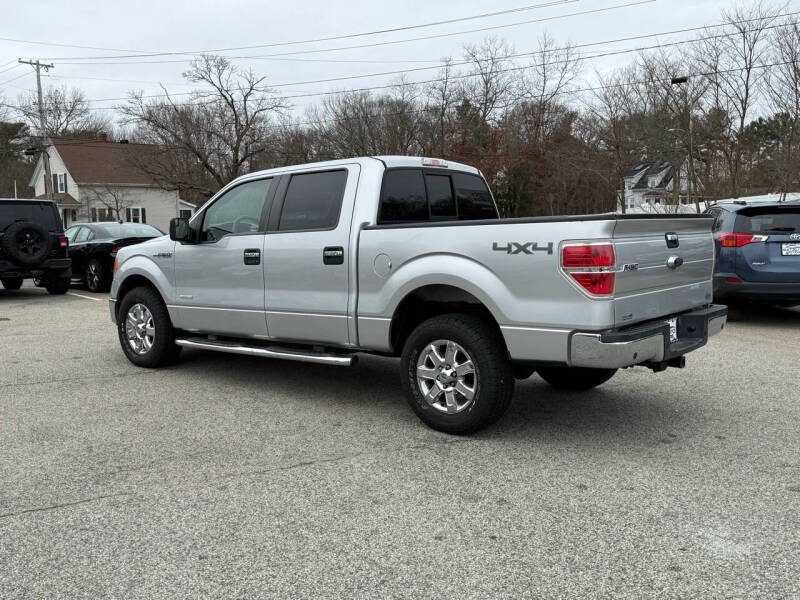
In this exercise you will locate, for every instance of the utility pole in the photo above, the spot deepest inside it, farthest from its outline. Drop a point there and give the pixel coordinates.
(685, 81)
(38, 66)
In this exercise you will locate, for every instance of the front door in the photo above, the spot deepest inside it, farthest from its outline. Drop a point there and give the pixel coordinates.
(220, 279)
(307, 259)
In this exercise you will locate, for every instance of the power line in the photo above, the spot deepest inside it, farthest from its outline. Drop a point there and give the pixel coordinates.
(13, 79)
(461, 63)
(307, 41)
(376, 44)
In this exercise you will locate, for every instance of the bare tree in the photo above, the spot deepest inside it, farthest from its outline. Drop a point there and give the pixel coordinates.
(783, 87)
(66, 113)
(223, 128)
(733, 65)
(113, 198)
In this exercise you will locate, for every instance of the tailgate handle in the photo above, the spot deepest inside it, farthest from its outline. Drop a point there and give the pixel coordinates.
(672, 240)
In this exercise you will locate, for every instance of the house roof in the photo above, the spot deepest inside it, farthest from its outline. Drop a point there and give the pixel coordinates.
(100, 161)
(63, 200)
(642, 171)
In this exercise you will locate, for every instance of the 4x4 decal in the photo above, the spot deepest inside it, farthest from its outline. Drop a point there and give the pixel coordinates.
(522, 247)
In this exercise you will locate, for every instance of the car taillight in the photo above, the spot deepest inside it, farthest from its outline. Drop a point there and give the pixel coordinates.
(63, 242)
(591, 265)
(737, 240)
(114, 250)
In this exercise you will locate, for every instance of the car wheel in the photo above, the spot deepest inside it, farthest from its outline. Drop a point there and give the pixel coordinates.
(95, 276)
(575, 378)
(456, 373)
(57, 285)
(25, 242)
(12, 283)
(145, 330)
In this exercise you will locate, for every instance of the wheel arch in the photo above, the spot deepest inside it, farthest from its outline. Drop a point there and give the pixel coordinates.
(430, 300)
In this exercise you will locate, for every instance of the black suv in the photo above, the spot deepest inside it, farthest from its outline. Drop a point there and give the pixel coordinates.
(33, 245)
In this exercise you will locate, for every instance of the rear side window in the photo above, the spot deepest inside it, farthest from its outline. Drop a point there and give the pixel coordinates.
(768, 220)
(414, 195)
(42, 213)
(313, 201)
(403, 198)
(474, 200)
(440, 197)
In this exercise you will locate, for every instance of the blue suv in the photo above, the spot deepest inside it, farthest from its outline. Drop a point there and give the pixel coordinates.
(757, 251)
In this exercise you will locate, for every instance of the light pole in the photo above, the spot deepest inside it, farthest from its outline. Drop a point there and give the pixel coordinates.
(685, 81)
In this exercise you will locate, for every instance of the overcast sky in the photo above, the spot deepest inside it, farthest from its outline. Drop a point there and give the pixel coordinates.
(180, 26)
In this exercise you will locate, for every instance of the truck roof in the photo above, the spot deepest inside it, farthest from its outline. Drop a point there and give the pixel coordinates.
(390, 162)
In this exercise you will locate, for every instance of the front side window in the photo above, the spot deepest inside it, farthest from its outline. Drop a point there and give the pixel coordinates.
(70, 233)
(313, 201)
(237, 211)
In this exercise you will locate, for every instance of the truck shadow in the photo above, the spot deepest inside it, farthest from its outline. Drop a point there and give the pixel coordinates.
(370, 392)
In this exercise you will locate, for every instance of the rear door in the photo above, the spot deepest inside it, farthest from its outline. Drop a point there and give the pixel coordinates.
(777, 258)
(306, 259)
(664, 266)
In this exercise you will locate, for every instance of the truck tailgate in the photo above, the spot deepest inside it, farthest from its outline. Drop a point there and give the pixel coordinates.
(664, 266)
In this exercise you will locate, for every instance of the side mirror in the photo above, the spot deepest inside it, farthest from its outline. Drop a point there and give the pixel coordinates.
(179, 230)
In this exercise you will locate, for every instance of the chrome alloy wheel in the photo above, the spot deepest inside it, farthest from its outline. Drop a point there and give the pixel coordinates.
(139, 329)
(446, 376)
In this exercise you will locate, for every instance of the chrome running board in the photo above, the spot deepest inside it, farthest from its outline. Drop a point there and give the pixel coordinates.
(267, 351)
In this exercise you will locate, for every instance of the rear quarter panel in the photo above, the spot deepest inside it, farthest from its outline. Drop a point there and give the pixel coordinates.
(524, 290)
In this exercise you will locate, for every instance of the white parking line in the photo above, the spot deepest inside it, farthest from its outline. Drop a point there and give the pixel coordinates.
(85, 297)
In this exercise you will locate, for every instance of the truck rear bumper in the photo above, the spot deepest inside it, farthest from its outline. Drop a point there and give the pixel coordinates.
(648, 342)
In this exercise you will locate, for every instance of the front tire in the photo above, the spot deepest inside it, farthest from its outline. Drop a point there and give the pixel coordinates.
(456, 373)
(12, 283)
(145, 329)
(575, 378)
(57, 285)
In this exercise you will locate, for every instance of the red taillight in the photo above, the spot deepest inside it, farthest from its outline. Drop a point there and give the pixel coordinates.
(733, 280)
(591, 265)
(114, 250)
(590, 255)
(63, 242)
(737, 240)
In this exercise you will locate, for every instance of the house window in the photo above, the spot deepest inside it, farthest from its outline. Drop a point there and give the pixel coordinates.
(62, 183)
(136, 214)
(102, 214)
(185, 213)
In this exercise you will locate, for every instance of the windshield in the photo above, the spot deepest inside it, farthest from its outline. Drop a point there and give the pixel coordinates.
(769, 220)
(127, 230)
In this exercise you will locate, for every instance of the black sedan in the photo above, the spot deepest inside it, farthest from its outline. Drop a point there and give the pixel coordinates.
(93, 248)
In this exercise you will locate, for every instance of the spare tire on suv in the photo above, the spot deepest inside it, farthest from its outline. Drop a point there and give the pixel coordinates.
(26, 243)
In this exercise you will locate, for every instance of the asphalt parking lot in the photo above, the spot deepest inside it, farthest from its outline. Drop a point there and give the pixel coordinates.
(242, 477)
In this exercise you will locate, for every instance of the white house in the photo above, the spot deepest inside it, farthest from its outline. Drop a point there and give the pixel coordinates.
(650, 188)
(98, 180)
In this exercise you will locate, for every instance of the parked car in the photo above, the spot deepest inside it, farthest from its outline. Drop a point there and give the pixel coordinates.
(93, 248)
(757, 251)
(33, 245)
(405, 256)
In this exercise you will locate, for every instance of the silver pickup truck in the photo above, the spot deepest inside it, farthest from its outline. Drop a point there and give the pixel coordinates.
(404, 256)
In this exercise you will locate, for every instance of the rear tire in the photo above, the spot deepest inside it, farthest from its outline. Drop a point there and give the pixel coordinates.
(12, 283)
(57, 285)
(95, 276)
(145, 329)
(575, 378)
(456, 373)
